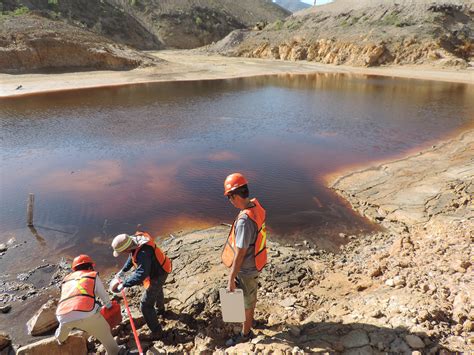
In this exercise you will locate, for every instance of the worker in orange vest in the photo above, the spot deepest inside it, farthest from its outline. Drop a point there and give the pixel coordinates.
(78, 307)
(152, 267)
(245, 251)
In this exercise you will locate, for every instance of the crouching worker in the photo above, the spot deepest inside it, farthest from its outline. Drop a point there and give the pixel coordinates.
(78, 307)
(152, 267)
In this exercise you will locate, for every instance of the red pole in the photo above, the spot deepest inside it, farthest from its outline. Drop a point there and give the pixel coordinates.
(134, 330)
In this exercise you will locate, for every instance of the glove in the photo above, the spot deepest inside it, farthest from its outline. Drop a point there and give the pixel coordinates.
(113, 285)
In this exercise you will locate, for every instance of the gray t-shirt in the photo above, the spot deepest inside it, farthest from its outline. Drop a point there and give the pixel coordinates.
(245, 237)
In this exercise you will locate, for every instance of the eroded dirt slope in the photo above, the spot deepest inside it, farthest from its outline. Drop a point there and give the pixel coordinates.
(365, 33)
(30, 43)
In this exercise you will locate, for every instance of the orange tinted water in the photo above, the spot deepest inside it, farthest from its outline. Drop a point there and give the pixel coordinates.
(101, 161)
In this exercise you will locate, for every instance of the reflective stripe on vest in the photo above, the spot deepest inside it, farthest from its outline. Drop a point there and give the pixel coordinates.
(258, 215)
(161, 257)
(77, 292)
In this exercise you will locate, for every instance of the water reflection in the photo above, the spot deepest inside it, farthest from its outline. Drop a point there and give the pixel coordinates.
(105, 160)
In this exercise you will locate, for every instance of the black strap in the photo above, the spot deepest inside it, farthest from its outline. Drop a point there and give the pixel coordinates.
(264, 248)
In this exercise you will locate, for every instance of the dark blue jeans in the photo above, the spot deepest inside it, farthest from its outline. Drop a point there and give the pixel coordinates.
(153, 296)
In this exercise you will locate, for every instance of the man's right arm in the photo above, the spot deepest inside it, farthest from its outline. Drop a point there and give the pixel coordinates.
(144, 260)
(128, 264)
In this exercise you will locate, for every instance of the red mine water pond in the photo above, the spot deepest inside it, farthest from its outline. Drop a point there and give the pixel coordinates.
(101, 161)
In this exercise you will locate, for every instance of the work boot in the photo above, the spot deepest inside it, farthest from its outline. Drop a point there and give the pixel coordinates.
(240, 338)
(160, 311)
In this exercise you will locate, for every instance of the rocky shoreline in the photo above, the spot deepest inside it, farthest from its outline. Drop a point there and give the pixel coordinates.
(405, 290)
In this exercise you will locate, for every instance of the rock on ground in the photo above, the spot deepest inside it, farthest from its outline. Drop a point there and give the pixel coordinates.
(44, 320)
(74, 345)
(4, 340)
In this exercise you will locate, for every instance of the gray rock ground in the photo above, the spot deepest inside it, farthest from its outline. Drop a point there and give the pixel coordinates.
(435, 184)
(405, 290)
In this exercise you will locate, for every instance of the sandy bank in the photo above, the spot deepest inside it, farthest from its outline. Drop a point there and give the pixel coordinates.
(186, 65)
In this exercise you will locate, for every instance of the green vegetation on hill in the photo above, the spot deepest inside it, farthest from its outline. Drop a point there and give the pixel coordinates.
(17, 12)
(155, 24)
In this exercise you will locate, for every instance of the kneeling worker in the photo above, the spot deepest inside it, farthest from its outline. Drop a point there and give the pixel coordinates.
(78, 308)
(152, 267)
(245, 251)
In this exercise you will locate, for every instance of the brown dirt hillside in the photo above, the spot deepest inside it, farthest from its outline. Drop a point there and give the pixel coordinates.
(365, 33)
(194, 23)
(156, 24)
(99, 17)
(30, 43)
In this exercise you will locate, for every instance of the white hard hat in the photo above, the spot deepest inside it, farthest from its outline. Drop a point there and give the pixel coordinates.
(121, 243)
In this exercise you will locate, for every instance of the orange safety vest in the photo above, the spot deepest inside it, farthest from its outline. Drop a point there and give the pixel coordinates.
(77, 292)
(161, 257)
(256, 214)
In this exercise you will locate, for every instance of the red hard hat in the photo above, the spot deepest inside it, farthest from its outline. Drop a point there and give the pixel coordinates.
(234, 181)
(82, 259)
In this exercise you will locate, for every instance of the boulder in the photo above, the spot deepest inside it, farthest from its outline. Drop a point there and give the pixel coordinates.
(44, 319)
(137, 316)
(295, 331)
(4, 340)
(374, 55)
(5, 309)
(288, 302)
(155, 350)
(468, 326)
(365, 350)
(74, 345)
(398, 346)
(414, 341)
(354, 339)
(399, 280)
(202, 344)
(461, 307)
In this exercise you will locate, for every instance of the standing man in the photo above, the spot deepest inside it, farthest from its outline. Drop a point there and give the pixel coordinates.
(245, 251)
(78, 307)
(152, 267)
